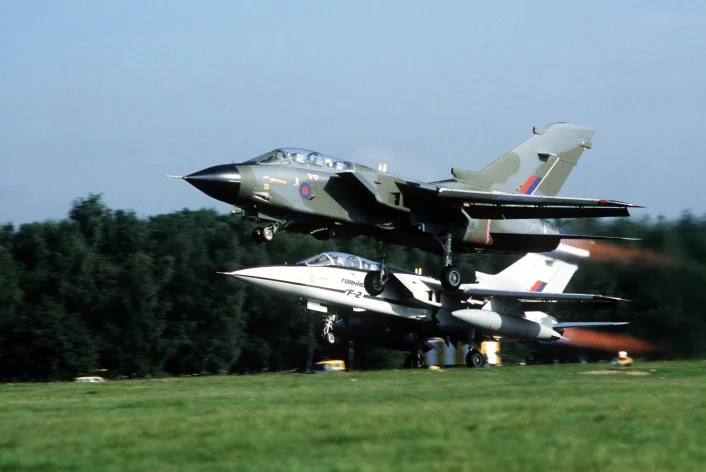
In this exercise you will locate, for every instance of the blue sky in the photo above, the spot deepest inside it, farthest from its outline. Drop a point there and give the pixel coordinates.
(106, 97)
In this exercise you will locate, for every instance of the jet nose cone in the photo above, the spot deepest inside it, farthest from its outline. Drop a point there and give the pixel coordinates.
(247, 273)
(220, 182)
(259, 277)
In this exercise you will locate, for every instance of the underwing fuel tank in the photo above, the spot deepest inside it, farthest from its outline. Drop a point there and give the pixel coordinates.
(495, 324)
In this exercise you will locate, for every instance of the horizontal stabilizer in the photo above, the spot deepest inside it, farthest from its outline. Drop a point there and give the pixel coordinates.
(589, 324)
(501, 198)
(499, 205)
(505, 212)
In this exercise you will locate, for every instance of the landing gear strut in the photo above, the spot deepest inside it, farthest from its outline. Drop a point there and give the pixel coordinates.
(450, 275)
(375, 281)
(328, 336)
(415, 361)
(474, 358)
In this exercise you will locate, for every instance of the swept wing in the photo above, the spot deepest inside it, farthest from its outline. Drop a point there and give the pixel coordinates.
(521, 295)
(478, 203)
(499, 205)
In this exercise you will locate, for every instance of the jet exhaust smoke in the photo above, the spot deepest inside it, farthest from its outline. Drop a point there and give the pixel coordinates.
(606, 341)
(573, 250)
(603, 251)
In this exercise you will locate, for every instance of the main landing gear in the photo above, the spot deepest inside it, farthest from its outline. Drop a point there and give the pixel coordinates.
(450, 276)
(328, 336)
(474, 358)
(415, 361)
(267, 233)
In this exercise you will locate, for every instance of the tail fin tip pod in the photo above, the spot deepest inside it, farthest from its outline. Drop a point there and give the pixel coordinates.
(539, 165)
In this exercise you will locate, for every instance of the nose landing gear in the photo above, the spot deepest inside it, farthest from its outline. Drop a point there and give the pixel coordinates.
(327, 335)
(375, 281)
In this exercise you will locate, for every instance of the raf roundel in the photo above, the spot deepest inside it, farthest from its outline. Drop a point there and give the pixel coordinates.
(305, 191)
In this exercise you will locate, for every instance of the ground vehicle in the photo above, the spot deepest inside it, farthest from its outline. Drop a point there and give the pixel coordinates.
(94, 379)
(328, 366)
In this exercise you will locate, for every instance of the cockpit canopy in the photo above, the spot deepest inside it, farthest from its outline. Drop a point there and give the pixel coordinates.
(302, 157)
(340, 259)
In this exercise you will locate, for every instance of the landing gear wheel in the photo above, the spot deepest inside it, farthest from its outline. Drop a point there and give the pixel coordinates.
(450, 278)
(474, 359)
(414, 362)
(268, 233)
(257, 235)
(330, 338)
(375, 283)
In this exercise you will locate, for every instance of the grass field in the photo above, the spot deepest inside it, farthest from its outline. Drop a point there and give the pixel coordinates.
(499, 419)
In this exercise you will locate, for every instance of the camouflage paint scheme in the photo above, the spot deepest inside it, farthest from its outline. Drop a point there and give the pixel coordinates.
(497, 209)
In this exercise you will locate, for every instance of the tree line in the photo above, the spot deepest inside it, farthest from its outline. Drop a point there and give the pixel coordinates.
(107, 290)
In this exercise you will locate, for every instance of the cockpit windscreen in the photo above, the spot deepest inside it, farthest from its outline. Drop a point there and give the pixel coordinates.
(340, 259)
(302, 157)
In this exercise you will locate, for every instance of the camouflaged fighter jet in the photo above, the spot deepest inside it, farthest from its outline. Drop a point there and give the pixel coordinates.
(497, 209)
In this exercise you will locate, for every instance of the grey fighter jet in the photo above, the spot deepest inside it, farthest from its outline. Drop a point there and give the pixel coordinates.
(498, 209)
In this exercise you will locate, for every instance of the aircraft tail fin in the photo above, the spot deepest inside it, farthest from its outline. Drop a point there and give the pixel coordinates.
(539, 165)
(536, 273)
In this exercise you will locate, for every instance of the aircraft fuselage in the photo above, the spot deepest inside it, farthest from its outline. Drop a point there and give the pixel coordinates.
(319, 199)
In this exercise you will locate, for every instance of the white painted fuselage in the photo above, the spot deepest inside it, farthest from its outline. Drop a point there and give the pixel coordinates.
(412, 297)
(333, 287)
